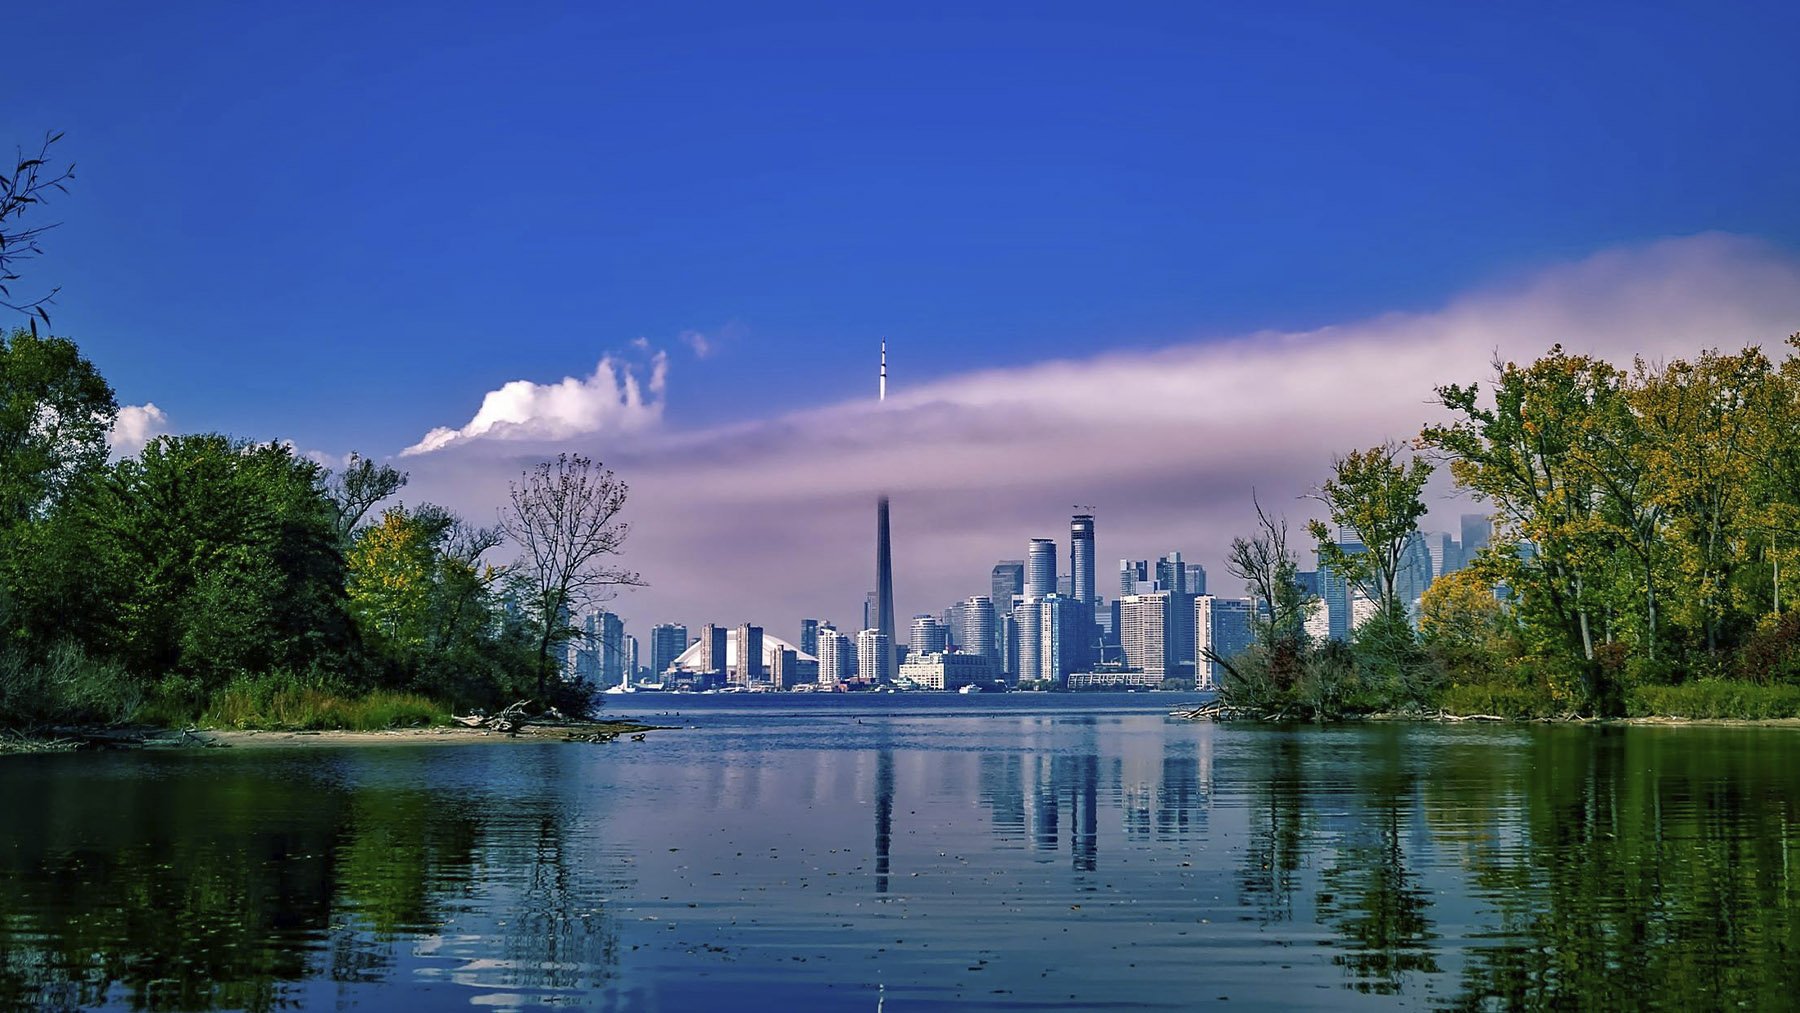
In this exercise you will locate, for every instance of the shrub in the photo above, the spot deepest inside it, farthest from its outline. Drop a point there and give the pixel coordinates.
(1498, 699)
(64, 687)
(1714, 698)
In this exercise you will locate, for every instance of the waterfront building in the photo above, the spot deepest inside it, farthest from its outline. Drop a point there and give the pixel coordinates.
(929, 635)
(1061, 638)
(694, 665)
(1008, 624)
(784, 668)
(713, 650)
(947, 670)
(1028, 644)
(1081, 559)
(1008, 579)
(608, 631)
(1221, 627)
(874, 657)
(1040, 572)
(978, 628)
(667, 641)
(747, 656)
(1144, 633)
(837, 656)
(809, 636)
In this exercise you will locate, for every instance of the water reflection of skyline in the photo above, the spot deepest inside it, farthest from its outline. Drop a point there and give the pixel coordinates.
(1466, 868)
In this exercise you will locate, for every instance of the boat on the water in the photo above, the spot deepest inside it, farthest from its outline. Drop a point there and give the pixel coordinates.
(970, 688)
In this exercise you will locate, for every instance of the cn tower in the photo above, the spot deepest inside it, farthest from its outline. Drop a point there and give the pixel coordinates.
(884, 562)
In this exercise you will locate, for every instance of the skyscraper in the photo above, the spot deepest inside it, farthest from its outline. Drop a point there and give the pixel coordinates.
(1040, 571)
(749, 650)
(928, 635)
(667, 640)
(1477, 531)
(1196, 579)
(979, 635)
(1132, 573)
(1144, 632)
(1081, 558)
(712, 649)
(610, 643)
(874, 656)
(1221, 627)
(1008, 580)
(809, 636)
(884, 565)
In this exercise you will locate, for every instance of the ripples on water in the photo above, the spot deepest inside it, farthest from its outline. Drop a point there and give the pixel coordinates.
(963, 854)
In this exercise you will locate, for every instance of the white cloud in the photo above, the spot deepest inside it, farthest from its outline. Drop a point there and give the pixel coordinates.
(136, 426)
(609, 401)
(771, 520)
(700, 343)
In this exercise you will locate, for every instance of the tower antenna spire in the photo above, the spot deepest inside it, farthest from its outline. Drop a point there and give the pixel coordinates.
(884, 369)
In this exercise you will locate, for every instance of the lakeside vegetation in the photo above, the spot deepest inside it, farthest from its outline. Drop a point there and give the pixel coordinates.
(237, 584)
(1643, 520)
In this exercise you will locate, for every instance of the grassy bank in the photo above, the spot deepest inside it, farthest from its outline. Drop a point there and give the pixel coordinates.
(1705, 699)
(285, 704)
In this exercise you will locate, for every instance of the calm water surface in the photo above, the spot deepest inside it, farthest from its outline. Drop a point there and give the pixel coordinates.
(1003, 852)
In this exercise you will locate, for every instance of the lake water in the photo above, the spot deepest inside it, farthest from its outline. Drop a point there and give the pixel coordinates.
(1001, 852)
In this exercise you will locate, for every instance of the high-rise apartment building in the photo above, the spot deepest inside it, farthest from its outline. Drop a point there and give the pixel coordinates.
(928, 635)
(712, 650)
(1040, 568)
(978, 630)
(1008, 580)
(748, 670)
(1081, 558)
(1134, 577)
(667, 641)
(1222, 629)
(1477, 531)
(874, 656)
(784, 668)
(1144, 632)
(837, 656)
(609, 642)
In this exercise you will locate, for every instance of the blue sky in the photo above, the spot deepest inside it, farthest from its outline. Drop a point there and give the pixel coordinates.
(344, 225)
(390, 213)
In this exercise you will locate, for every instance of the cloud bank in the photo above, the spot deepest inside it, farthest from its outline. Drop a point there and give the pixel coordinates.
(608, 401)
(773, 520)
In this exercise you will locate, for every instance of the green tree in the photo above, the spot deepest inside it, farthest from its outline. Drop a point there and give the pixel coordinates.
(212, 558)
(55, 413)
(1379, 497)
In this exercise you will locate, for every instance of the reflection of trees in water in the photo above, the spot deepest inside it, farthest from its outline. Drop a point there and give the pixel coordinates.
(1375, 901)
(1277, 830)
(1652, 868)
(216, 884)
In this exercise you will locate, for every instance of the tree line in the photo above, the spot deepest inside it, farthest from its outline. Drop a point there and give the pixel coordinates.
(1644, 518)
(207, 576)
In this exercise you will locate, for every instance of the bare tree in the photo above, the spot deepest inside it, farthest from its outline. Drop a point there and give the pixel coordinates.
(357, 489)
(30, 184)
(564, 516)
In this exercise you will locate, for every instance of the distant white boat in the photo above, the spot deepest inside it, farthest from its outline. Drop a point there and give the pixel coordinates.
(610, 690)
(970, 688)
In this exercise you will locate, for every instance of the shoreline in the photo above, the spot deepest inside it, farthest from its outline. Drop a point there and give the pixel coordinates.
(71, 740)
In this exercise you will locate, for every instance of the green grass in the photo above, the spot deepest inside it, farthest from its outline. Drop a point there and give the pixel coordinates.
(280, 705)
(1714, 698)
(1504, 701)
